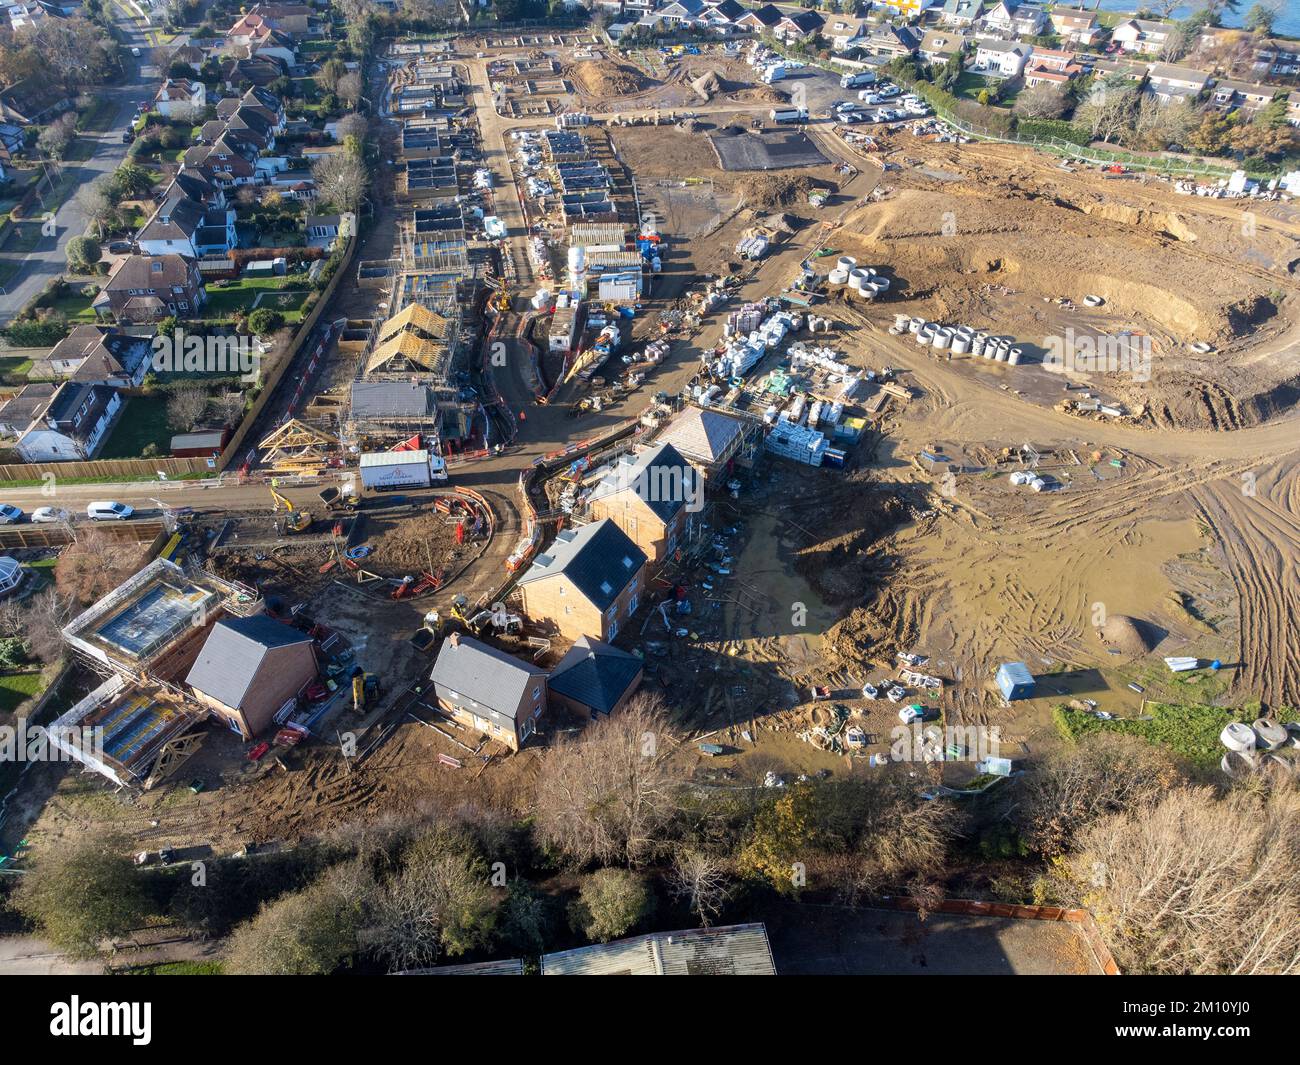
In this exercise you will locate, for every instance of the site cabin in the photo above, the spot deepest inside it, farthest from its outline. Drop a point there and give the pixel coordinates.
(485, 689)
(249, 668)
(589, 582)
(651, 497)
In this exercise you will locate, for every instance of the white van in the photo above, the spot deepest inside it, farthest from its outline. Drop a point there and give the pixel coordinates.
(106, 510)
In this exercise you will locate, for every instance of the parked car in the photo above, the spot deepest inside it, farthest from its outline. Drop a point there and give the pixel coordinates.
(107, 510)
(128, 135)
(135, 52)
(9, 515)
(49, 515)
(120, 247)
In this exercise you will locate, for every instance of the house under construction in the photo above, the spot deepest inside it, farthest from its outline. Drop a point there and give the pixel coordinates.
(139, 724)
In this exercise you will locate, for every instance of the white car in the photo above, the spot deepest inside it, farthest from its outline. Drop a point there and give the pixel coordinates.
(107, 510)
(49, 515)
(9, 515)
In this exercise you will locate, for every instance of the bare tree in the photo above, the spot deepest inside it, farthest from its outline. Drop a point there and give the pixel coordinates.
(44, 616)
(94, 565)
(1105, 774)
(56, 138)
(350, 88)
(185, 407)
(230, 408)
(1040, 101)
(1196, 883)
(353, 125)
(607, 794)
(98, 201)
(702, 881)
(341, 180)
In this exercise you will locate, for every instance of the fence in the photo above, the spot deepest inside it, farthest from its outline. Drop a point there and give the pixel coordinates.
(304, 334)
(126, 468)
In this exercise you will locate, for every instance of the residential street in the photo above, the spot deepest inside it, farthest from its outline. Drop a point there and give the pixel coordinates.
(48, 260)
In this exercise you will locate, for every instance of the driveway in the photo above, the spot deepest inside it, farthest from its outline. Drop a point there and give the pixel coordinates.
(49, 258)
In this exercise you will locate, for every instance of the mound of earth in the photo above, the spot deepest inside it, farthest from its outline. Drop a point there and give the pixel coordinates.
(1129, 636)
(600, 77)
(773, 190)
(707, 84)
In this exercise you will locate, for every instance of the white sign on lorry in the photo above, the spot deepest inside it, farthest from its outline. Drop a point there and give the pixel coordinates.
(383, 470)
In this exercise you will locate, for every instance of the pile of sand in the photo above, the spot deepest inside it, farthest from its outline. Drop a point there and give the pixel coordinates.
(600, 77)
(707, 84)
(1129, 636)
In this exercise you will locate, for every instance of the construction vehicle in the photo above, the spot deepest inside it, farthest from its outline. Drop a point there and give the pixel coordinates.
(344, 498)
(499, 299)
(501, 623)
(295, 520)
(365, 690)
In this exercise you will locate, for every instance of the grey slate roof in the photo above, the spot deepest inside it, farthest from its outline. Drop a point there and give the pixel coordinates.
(595, 674)
(481, 677)
(380, 399)
(660, 476)
(733, 950)
(599, 559)
(233, 653)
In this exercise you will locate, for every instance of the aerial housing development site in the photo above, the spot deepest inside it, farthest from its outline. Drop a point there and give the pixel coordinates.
(652, 488)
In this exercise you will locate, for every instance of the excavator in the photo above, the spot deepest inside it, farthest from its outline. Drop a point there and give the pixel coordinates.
(365, 690)
(295, 520)
(498, 621)
(499, 300)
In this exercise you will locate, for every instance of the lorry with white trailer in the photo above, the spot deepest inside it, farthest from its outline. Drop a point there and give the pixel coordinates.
(383, 471)
(789, 114)
(856, 81)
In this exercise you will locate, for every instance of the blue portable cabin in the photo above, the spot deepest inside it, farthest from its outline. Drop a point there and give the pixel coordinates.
(1015, 681)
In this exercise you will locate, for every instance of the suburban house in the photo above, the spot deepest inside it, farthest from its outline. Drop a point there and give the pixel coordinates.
(249, 668)
(1276, 59)
(961, 12)
(97, 354)
(73, 426)
(180, 96)
(846, 33)
(189, 55)
(587, 583)
(263, 101)
(1001, 59)
(1015, 19)
(709, 440)
(1141, 35)
(799, 26)
(147, 288)
(1170, 83)
(25, 16)
(261, 20)
(1051, 66)
(489, 690)
(891, 42)
(680, 12)
(651, 497)
(1076, 26)
(937, 46)
(184, 226)
(227, 162)
(27, 404)
(1230, 95)
(258, 70)
(760, 19)
(33, 99)
(594, 678)
(1293, 108)
(325, 229)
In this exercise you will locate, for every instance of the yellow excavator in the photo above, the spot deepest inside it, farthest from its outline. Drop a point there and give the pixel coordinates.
(499, 300)
(295, 520)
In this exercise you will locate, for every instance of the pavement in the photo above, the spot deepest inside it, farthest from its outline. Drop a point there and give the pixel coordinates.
(49, 259)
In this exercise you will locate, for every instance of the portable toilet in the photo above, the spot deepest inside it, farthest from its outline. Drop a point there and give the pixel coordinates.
(1015, 681)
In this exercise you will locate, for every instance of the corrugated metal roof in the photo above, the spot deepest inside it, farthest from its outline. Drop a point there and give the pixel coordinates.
(233, 653)
(599, 559)
(595, 674)
(734, 950)
(481, 678)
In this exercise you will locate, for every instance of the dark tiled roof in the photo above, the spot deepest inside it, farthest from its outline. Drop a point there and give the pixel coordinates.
(659, 476)
(599, 559)
(595, 674)
(480, 674)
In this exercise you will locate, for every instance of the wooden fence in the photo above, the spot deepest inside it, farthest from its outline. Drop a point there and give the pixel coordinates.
(129, 469)
(235, 449)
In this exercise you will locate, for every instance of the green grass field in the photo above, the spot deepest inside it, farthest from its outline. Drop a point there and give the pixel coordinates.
(75, 307)
(242, 295)
(141, 423)
(16, 688)
(1189, 730)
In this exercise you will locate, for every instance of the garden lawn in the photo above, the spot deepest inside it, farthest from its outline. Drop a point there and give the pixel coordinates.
(75, 307)
(143, 421)
(241, 296)
(16, 688)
